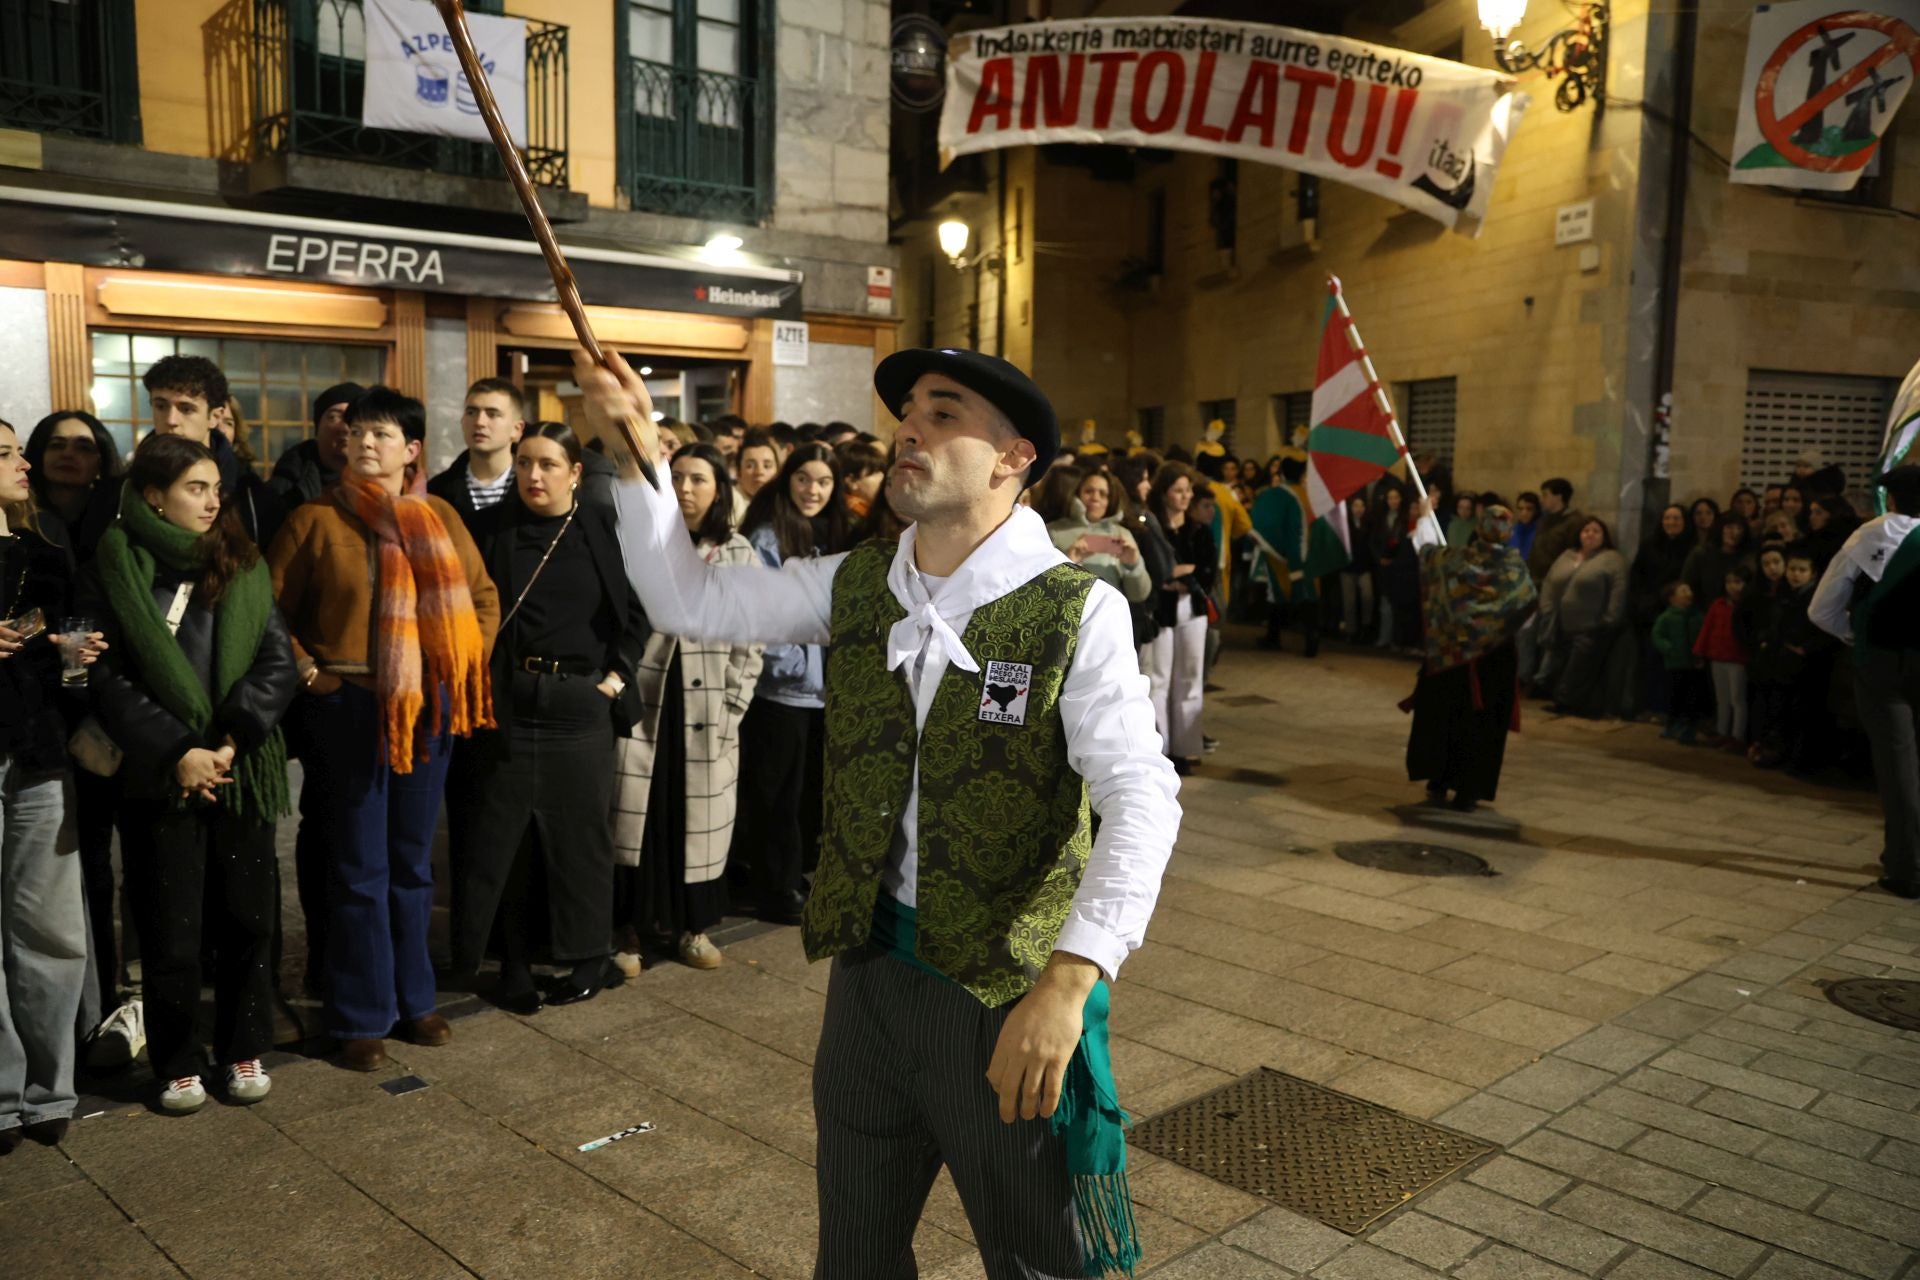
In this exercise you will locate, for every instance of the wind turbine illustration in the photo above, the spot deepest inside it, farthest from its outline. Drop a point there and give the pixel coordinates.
(1865, 102)
(1823, 60)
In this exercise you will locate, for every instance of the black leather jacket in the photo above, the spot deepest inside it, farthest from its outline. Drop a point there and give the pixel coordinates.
(153, 738)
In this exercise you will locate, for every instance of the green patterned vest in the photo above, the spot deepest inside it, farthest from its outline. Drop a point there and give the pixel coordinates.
(1003, 823)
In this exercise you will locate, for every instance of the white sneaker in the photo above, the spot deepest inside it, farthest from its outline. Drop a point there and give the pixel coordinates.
(120, 1039)
(183, 1096)
(248, 1081)
(697, 950)
(628, 962)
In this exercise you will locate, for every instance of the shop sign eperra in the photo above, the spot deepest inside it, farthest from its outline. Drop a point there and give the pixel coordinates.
(152, 236)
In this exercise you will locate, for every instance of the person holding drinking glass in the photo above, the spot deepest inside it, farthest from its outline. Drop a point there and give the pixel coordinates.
(43, 929)
(562, 665)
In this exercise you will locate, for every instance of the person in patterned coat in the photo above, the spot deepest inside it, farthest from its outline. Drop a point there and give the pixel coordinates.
(983, 700)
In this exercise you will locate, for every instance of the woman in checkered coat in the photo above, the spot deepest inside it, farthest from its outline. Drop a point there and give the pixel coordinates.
(674, 802)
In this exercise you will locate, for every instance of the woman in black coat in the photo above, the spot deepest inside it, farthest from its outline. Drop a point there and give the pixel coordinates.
(1660, 561)
(200, 675)
(571, 634)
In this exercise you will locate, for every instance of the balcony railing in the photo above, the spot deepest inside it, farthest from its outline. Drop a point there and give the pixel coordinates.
(695, 143)
(288, 77)
(69, 66)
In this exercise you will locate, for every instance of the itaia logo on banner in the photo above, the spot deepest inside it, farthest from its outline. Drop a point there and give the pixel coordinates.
(1823, 80)
(1422, 131)
(414, 81)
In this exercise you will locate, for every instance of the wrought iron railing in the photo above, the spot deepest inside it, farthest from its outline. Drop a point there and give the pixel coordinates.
(695, 143)
(288, 77)
(68, 66)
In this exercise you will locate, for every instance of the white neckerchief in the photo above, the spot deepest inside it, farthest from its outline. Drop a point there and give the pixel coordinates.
(1012, 554)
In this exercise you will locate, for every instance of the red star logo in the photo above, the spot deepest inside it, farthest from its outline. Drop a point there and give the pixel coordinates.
(700, 292)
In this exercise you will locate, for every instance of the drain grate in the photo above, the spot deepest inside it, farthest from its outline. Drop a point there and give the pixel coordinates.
(1412, 858)
(1244, 700)
(1323, 1154)
(1885, 1000)
(1240, 773)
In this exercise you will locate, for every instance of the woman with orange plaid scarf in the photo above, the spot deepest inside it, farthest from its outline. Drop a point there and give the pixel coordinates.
(392, 614)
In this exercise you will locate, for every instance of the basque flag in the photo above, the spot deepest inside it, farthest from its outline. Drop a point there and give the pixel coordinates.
(1351, 442)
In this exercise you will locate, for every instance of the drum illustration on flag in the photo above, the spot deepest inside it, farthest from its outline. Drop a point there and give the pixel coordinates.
(430, 84)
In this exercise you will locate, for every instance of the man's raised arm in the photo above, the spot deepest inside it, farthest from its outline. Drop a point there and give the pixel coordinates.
(682, 594)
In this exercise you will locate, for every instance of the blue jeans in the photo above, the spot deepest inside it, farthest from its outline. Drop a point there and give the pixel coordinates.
(379, 846)
(43, 950)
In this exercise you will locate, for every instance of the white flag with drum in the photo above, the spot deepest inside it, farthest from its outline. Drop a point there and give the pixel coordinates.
(414, 81)
(1823, 80)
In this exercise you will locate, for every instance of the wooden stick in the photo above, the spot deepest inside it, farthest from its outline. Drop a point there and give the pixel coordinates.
(568, 290)
(1380, 397)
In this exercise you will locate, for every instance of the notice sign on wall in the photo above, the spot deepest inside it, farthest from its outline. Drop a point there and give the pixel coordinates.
(1422, 131)
(790, 342)
(1823, 80)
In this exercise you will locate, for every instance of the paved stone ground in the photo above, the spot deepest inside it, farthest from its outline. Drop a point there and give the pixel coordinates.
(1629, 1010)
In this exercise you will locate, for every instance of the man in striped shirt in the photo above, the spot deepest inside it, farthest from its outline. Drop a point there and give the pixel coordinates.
(494, 417)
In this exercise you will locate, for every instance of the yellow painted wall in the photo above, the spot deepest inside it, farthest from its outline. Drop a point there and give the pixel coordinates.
(593, 142)
(175, 91)
(173, 75)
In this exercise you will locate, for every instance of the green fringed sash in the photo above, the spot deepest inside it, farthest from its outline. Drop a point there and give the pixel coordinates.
(126, 558)
(1088, 1119)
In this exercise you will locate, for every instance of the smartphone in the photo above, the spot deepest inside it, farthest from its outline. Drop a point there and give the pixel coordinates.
(29, 624)
(1100, 544)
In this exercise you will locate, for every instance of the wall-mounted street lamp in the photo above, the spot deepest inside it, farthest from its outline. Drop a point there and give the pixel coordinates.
(954, 235)
(1576, 55)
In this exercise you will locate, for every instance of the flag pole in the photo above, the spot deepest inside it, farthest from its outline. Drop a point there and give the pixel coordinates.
(627, 439)
(1380, 397)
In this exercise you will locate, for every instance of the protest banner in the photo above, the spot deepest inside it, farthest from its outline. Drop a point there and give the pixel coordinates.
(1421, 131)
(1823, 79)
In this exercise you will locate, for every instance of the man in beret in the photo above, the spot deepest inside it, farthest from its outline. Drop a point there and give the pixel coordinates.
(981, 691)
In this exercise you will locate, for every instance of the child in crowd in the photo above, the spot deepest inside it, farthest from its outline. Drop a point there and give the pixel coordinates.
(1674, 633)
(1727, 661)
(1758, 625)
(1807, 731)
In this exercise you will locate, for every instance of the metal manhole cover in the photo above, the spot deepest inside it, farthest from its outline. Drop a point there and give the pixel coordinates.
(1244, 700)
(1412, 858)
(1884, 1000)
(1304, 1147)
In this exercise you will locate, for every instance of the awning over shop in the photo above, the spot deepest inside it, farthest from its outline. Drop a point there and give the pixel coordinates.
(107, 231)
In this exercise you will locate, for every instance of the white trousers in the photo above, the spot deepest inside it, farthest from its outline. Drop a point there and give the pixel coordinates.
(1175, 663)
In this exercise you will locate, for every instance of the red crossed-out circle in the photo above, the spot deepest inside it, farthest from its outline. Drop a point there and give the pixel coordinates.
(1902, 41)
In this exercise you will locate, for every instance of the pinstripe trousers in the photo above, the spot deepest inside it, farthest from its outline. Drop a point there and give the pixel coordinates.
(899, 1089)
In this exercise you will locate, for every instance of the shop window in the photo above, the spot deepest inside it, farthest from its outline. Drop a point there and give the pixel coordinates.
(1844, 418)
(1154, 259)
(1427, 416)
(273, 382)
(696, 113)
(1152, 422)
(1225, 410)
(1223, 205)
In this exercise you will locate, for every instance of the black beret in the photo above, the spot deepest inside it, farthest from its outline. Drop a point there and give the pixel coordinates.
(999, 383)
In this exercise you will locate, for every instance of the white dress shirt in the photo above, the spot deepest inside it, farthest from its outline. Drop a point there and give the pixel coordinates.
(1112, 742)
(1867, 552)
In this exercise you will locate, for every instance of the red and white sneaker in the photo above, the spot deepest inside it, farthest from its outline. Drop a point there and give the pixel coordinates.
(183, 1096)
(248, 1081)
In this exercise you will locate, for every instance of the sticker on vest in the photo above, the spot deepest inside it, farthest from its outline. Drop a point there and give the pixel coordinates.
(1003, 698)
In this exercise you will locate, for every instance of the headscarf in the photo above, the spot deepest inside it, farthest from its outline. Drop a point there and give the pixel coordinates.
(1475, 597)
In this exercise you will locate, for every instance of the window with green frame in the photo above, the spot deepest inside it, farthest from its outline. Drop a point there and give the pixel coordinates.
(70, 68)
(696, 106)
(274, 384)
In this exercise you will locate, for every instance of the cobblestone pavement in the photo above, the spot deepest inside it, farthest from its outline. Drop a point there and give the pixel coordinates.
(1628, 1010)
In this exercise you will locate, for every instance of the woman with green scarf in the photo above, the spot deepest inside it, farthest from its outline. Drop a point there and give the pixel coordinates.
(198, 674)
